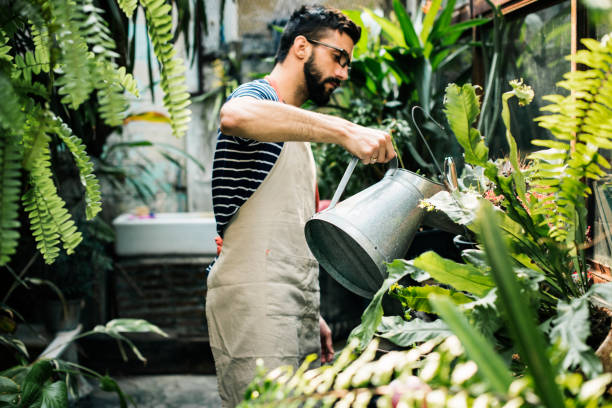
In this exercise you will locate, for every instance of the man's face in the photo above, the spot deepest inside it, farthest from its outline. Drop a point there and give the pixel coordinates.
(324, 69)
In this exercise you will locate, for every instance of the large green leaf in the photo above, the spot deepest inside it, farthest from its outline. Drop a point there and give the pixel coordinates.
(362, 45)
(54, 395)
(462, 277)
(601, 295)
(428, 25)
(40, 372)
(415, 297)
(490, 364)
(572, 327)
(410, 35)
(461, 106)
(9, 390)
(407, 333)
(459, 206)
(390, 31)
(372, 316)
(519, 317)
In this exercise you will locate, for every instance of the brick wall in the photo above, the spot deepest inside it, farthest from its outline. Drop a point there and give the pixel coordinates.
(167, 292)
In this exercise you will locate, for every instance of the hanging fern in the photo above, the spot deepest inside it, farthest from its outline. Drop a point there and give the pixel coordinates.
(582, 124)
(10, 184)
(76, 81)
(176, 97)
(50, 221)
(93, 197)
(128, 6)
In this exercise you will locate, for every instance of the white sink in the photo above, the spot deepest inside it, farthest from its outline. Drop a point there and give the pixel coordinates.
(189, 233)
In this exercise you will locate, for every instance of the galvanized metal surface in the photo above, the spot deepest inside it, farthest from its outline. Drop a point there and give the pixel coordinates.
(353, 239)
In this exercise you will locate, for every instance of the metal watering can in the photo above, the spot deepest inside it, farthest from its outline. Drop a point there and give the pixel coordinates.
(354, 238)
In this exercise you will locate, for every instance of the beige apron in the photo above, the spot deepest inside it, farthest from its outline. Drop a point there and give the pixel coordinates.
(263, 290)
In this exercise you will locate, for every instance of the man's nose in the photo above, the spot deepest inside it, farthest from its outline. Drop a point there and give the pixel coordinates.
(342, 72)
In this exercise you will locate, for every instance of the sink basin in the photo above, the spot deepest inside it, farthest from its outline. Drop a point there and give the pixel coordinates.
(188, 233)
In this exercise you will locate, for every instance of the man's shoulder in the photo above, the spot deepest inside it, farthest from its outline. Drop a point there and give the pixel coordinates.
(258, 88)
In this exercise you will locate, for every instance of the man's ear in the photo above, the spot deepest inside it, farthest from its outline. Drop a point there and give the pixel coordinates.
(301, 47)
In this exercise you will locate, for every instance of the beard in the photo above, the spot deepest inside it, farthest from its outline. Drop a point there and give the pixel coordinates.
(315, 84)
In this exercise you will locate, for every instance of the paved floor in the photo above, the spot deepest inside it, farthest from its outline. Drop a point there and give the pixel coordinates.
(159, 391)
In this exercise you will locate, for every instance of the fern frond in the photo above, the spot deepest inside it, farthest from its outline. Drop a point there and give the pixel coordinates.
(128, 6)
(176, 97)
(5, 48)
(96, 32)
(50, 222)
(11, 115)
(584, 119)
(76, 82)
(41, 48)
(10, 184)
(93, 197)
(128, 81)
(111, 97)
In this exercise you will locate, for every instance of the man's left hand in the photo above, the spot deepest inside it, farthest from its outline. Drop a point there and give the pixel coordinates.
(327, 349)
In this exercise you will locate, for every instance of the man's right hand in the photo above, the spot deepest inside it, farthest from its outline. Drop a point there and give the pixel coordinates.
(369, 145)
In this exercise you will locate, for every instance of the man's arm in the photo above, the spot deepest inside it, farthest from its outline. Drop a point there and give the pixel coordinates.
(269, 121)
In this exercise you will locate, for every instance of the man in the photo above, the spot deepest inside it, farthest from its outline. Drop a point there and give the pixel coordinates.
(263, 294)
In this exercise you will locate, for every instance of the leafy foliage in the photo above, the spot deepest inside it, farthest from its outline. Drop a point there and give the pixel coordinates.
(582, 125)
(398, 64)
(434, 374)
(59, 50)
(43, 383)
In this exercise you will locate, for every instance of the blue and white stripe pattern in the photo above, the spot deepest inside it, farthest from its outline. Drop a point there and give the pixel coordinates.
(240, 165)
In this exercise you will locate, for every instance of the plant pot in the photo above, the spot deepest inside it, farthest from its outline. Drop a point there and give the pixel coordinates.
(57, 318)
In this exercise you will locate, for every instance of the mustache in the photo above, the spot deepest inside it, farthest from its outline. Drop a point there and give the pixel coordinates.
(333, 81)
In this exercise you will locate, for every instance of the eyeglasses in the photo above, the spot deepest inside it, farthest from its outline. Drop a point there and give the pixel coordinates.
(343, 59)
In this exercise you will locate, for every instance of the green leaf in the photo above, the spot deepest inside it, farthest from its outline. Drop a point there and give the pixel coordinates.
(461, 106)
(372, 316)
(572, 327)
(518, 316)
(415, 297)
(362, 45)
(490, 364)
(601, 295)
(54, 395)
(9, 390)
(391, 32)
(462, 277)
(410, 36)
(407, 333)
(40, 372)
(428, 23)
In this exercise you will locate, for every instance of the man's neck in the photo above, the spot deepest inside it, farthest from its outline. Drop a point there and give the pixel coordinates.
(289, 84)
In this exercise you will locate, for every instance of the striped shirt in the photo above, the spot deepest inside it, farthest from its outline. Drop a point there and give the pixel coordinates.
(240, 165)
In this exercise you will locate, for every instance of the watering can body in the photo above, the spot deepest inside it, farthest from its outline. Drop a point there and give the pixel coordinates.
(353, 239)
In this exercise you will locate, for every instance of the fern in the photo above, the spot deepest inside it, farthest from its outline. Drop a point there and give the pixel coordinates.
(10, 184)
(93, 196)
(128, 6)
(76, 82)
(50, 221)
(176, 97)
(582, 124)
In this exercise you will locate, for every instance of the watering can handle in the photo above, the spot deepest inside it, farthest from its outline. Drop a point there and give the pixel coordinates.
(347, 175)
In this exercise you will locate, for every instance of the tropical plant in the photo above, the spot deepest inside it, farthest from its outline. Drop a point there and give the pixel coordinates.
(63, 49)
(45, 381)
(542, 216)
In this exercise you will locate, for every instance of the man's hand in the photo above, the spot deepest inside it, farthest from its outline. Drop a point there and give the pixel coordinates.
(370, 145)
(327, 349)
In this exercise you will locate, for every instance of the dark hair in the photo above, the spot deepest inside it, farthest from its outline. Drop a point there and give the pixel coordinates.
(313, 22)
